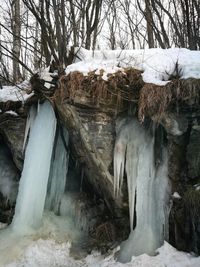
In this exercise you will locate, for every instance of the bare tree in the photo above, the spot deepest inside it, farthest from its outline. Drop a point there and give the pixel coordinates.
(16, 29)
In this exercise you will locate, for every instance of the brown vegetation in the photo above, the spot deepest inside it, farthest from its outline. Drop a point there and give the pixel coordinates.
(127, 86)
(120, 88)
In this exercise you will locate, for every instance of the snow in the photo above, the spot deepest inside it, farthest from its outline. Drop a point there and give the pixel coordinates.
(176, 195)
(157, 64)
(12, 113)
(49, 253)
(15, 93)
(48, 77)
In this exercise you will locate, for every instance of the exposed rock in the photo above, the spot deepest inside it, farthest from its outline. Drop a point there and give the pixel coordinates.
(9, 176)
(177, 158)
(174, 124)
(193, 152)
(91, 133)
(12, 128)
(184, 221)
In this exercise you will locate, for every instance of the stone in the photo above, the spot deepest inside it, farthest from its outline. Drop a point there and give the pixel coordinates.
(12, 129)
(193, 152)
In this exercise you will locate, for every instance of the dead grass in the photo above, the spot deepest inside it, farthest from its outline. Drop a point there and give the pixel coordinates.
(120, 87)
(153, 100)
(128, 86)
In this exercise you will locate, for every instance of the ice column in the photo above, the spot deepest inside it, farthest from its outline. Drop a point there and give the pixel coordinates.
(147, 184)
(35, 174)
(58, 173)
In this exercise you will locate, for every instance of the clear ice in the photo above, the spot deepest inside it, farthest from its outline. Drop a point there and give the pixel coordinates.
(58, 172)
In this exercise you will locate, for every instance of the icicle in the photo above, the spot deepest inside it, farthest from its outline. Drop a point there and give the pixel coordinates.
(29, 123)
(132, 173)
(119, 159)
(148, 185)
(58, 174)
(33, 183)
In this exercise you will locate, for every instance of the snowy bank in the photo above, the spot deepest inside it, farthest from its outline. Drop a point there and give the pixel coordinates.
(158, 65)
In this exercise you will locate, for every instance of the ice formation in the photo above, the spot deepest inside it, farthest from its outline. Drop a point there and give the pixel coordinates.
(148, 185)
(29, 123)
(35, 174)
(58, 172)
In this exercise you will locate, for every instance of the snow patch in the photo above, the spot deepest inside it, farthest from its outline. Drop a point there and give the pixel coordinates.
(12, 113)
(176, 195)
(15, 93)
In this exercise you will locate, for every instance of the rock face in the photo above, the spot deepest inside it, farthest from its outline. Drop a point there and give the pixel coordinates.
(92, 137)
(91, 125)
(193, 152)
(88, 109)
(12, 128)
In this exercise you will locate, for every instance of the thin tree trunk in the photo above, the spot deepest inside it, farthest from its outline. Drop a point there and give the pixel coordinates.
(16, 39)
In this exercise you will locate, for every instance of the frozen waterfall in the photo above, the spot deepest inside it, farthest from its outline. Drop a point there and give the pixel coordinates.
(35, 174)
(58, 172)
(147, 188)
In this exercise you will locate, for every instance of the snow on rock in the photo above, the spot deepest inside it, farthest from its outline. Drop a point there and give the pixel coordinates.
(157, 64)
(13, 113)
(15, 93)
(48, 77)
(176, 195)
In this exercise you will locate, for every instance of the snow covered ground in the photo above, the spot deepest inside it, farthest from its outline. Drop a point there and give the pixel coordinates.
(157, 64)
(48, 253)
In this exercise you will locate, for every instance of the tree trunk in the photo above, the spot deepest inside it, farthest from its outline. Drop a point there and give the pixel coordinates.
(149, 20)
(16, 28)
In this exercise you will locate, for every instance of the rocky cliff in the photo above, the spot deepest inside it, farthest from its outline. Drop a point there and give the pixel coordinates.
(88, 107)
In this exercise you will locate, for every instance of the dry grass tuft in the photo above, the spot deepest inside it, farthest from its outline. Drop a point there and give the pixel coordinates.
(127, 86)
(119, 87)
(154, 99)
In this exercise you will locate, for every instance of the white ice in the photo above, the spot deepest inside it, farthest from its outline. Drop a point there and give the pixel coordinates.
(33, 182)
(29, 123)
(157, 64)
(146, 184)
